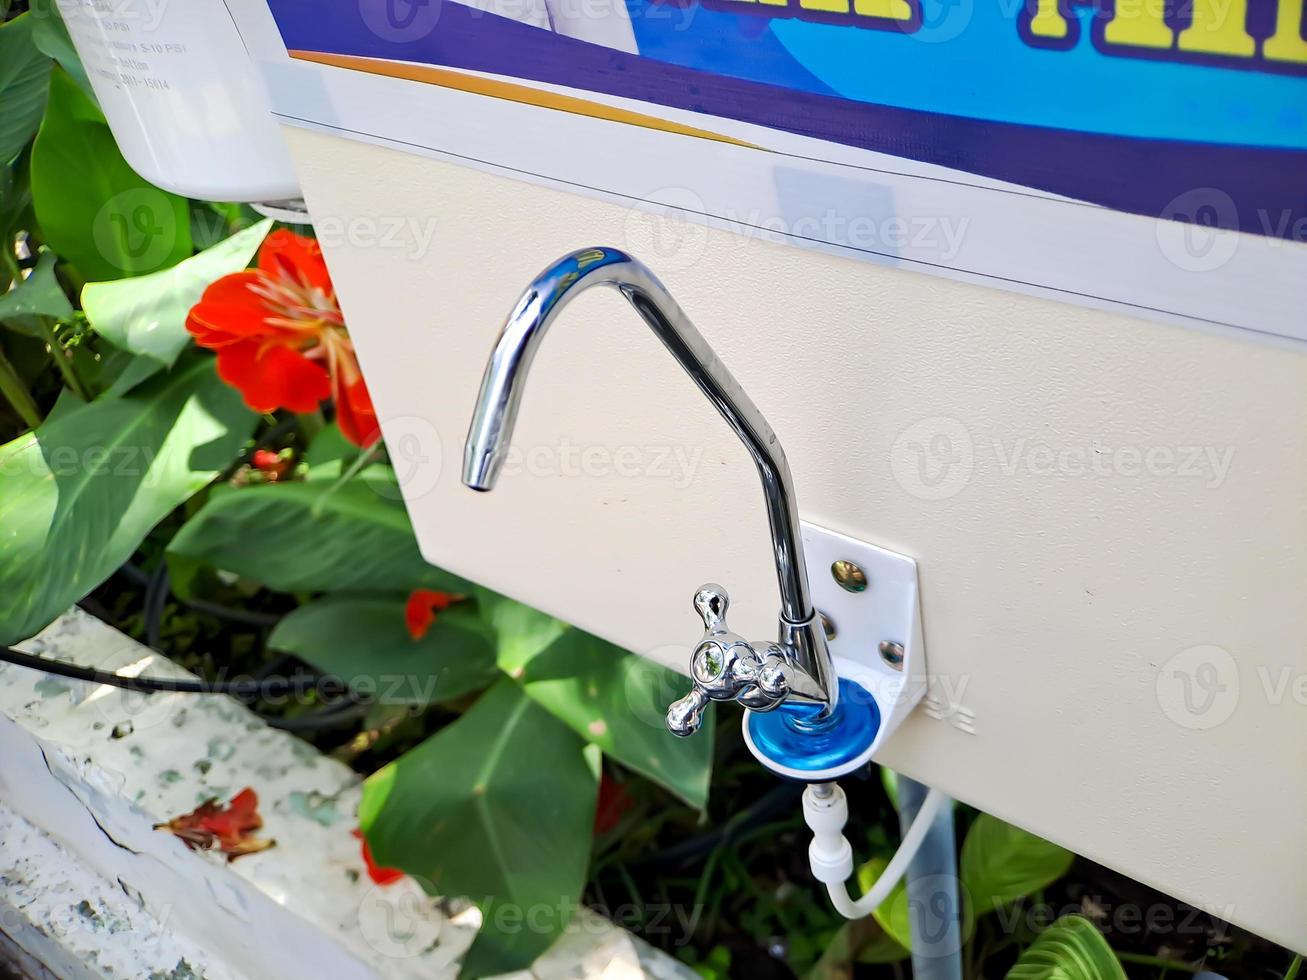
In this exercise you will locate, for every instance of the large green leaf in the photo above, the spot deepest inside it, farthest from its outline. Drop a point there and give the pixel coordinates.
(51, 36)
(618, 701)
(38, 295)
(146, 315)
(316, 536)
(24, 82)
(612, 698)
(499, 807)
(1071, 948)
(93, 208)
(366, 642)
(79, 493)
(1001, 863)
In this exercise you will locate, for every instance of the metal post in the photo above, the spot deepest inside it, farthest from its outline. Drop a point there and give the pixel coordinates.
(932, 882)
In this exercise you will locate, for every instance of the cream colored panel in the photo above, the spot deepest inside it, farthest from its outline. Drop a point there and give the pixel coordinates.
(1110, 515)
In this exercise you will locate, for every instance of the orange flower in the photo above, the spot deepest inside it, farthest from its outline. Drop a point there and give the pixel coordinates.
(420, 610)
(280, 337)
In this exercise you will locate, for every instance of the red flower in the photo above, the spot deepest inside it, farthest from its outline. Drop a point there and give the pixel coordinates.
(420, 610)
(230, 828)
(280, 337)
(612, 803)
(378, 874)
(272, 465)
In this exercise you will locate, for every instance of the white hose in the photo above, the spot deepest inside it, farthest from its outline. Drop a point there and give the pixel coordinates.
(826, 811)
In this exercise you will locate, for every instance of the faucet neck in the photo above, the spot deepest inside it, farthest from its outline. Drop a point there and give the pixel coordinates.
(505, 379)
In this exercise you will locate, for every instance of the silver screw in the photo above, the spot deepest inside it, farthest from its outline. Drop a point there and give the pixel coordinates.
(827, 625)
(892, 653)
(850, 577)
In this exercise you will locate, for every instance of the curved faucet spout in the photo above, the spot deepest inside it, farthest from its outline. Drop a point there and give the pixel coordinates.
(505, 379)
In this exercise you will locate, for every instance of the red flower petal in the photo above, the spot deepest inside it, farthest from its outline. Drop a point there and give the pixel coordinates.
(230, 827)
(286, 254)
(272, 376)
(613, 801)
(378, 874)
(229, 310)
(354, 413)
(420, 610)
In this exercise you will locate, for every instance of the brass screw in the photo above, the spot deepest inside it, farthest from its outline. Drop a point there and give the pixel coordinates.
(828, 626)
(891, 653)
(850, 577)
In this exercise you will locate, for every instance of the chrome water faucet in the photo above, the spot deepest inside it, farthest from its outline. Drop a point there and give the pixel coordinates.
(724, 667)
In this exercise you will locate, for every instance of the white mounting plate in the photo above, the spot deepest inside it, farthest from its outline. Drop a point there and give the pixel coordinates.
(887, 611)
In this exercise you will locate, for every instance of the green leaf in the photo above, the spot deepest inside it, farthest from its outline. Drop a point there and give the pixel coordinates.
(311, 537)
(51, 37)
(24, 83)
(78, 495)
(1071, 948)
(94, 209)
(40, 294)
(15, 200)
(499, 807)
(618, 701)
(365, 642)
(889, 779)
(146, 315)
(892, 914)
(1001, 863)
(859, 941)
(329, 454)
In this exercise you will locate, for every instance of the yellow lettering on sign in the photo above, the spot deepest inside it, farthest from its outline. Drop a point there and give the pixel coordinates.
(1286, 44)
(826, 6)
(1139, 24)
(1218, 28)
(885, 9)
(1047, 21)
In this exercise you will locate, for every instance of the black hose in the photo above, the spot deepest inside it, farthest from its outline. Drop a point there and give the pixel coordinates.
(267, 687)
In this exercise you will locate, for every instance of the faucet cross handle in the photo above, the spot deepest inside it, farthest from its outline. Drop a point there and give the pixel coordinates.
(726, 667)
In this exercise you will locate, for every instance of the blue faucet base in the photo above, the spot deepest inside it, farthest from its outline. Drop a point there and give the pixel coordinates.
(793, 737)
